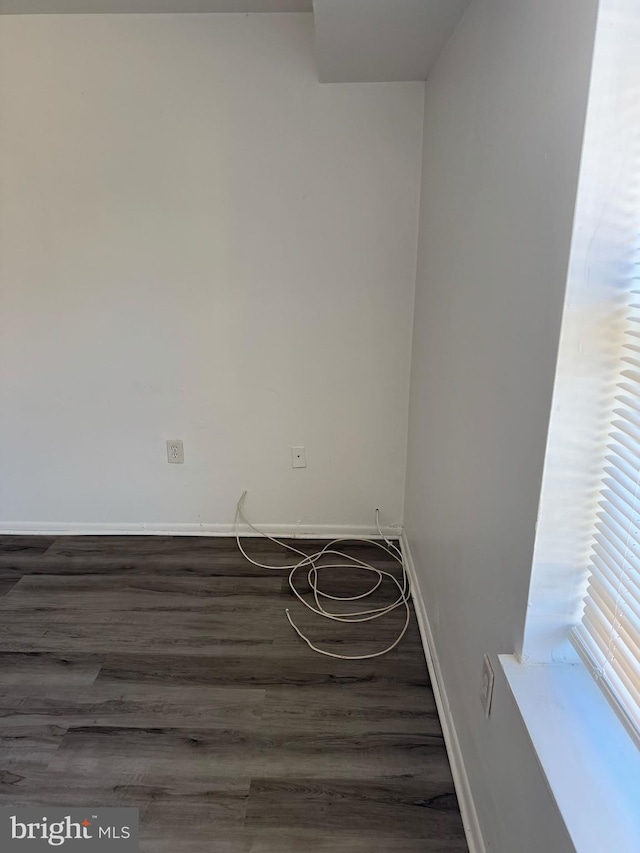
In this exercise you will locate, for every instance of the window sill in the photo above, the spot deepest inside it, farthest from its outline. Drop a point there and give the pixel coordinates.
(591, 764)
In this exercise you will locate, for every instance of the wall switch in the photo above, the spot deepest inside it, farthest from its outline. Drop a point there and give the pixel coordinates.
(175, 451)
(486, 689)
(298, 457)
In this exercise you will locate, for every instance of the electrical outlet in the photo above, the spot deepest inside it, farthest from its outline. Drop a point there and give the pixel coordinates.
(298, 457)
(175, 451)
(486, 689)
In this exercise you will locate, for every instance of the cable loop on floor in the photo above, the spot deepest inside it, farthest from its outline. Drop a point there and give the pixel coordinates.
(310, 562)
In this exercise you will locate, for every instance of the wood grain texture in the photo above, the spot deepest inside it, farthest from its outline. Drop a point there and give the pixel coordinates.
(46, 669)
(6, 585)
(131, 705)
(159, 672)
(397, 807)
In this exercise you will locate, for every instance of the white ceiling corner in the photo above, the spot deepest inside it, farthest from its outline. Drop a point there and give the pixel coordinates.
(382, 40)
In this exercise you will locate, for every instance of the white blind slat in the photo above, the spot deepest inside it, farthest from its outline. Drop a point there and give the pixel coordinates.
(608, 637)
(609, 583)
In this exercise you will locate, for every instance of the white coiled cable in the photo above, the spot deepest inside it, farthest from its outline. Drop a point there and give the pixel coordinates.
(310, 562)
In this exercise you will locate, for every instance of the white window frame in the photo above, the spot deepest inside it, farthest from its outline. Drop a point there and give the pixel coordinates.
(591, 763)
(593, 326)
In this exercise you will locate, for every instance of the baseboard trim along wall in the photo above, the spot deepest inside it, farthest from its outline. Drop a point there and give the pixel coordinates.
(460, 778)
(292, 531)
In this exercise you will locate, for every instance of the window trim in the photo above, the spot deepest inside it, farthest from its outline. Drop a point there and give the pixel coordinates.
(590, 765)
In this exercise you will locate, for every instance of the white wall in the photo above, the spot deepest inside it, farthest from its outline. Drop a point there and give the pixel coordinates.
(200, 241)
(504, 117)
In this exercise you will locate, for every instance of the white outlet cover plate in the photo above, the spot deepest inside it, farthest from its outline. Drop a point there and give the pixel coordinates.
(486, 690)
(175, 451)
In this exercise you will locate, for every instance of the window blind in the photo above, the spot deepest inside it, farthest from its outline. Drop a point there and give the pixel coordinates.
(608, 637)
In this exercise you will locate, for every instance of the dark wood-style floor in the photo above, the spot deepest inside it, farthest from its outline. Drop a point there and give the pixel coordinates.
(160, 673)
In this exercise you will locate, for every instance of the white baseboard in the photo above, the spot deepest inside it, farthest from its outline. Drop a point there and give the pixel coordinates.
(456, 759)
(293, 531)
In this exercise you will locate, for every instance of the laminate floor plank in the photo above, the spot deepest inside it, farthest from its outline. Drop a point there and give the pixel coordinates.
(20, 634)
(396, 807)
(110, 614)
(131, 705)
(207, 556)
(157, 756)
(7, 584)
(161, 673)
(48, 669)
(351, 710)
(302, 669)
(135, 592)
(190, 634)
(17, 544)
(22, 554)
(170, 806)
(173, 555)
(172, 775)
(26, 747)
(187, 752)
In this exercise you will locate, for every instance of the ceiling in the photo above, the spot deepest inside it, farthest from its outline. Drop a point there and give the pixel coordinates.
(356, 40)
(34, 7)
(379, 40)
